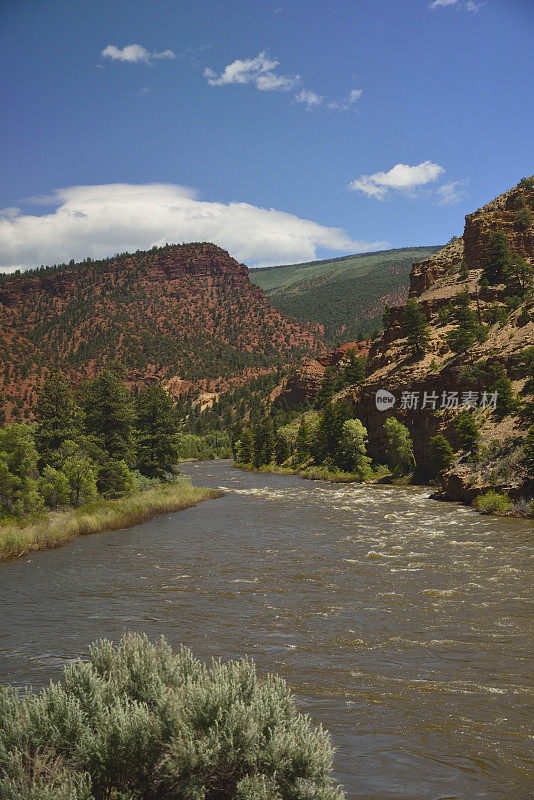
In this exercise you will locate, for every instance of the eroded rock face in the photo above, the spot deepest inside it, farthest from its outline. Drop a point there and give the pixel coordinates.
(302, 385)
(499, 215)
(434, 283)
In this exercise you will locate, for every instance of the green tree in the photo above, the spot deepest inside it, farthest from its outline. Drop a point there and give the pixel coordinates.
(355, 369)
(114, 479)
(264, 441)
(330, 384)
(110, 417)
(282, 451)
(468, 432)
(18, 470)
(58, 417)
(416, 327)
(80, 470)
(498, 259)
(506, 400)
(245, 448)
(302, 442)
(441, 453)
(528, 452)
(157, 426)
(518, 275)
(460, 339)
(353, 448)
(399, 446)
(54, 487)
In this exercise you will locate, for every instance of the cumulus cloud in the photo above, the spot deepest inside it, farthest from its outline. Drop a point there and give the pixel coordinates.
(134, 53)
(451, 193)
(99, 221)
(259, 71)
(401, 177)
(311, 99)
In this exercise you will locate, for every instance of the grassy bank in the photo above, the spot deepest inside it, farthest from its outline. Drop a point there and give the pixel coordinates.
(312, 473)
(59, 527)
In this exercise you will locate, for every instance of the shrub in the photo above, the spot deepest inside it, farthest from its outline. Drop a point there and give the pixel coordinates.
(138, 721)
(493, 503)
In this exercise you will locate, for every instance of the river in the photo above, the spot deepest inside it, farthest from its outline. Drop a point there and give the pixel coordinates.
(401, 623)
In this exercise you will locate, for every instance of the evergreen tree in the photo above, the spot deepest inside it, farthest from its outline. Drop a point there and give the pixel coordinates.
(399, 447)
(58, 417)
(441, 453)
(264, 441)
(468, 432)
(506, 400)
(282, 450)
(498, 259)
(115, 479)
(245, 448)
(416, 327)
(110, 417)
(528, 452)
(355, 369)
(157, 426)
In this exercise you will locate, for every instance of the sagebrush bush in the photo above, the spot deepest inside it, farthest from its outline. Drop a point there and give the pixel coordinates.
(137, 721)
(493, 503)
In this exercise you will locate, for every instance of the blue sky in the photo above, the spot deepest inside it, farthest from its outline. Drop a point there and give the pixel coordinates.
(359, 124)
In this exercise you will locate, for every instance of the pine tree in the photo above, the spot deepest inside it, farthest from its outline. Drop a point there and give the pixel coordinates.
(416, 327)
(157, 426)
(110, 417)
(58, 417)
(468, 432)
(498, 259)
(441, 453)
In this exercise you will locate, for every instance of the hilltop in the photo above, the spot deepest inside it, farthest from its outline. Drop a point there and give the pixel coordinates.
(184, 314)
(345, 295)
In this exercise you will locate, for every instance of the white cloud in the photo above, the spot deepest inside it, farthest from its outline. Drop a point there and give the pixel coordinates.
(134, 53)
(311, 99)
(442, 3)
(470, 5)
(451, 193)
(401, 177)
(258, 70)
(353, 96)
(99, 221)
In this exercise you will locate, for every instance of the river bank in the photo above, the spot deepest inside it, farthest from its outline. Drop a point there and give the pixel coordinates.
(59, 527)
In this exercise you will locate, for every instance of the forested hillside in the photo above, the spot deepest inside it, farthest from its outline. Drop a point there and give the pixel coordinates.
(347, 295)
(180, 313)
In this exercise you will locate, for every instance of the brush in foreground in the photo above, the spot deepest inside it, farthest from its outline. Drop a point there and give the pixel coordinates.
(136, 721)
(57, 528)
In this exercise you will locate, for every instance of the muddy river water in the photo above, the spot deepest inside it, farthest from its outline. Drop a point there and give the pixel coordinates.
(401, 623)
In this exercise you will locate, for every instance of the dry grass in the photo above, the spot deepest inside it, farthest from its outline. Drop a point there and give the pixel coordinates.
(57, 528)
